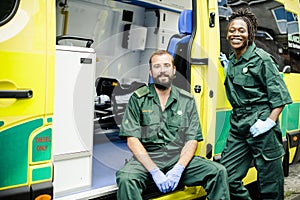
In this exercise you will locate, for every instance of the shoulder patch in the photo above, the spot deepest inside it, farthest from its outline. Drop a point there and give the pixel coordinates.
(185, 93)
(142, 91)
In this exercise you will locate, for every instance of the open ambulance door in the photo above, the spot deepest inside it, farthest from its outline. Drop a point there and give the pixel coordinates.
(27, 50)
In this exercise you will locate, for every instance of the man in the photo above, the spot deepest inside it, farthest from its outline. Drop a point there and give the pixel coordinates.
(258, 95)
(162, 129)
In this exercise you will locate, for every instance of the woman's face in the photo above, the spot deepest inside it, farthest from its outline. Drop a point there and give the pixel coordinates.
(237, 35)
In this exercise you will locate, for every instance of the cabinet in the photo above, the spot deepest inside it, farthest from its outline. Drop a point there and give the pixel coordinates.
(73, 118)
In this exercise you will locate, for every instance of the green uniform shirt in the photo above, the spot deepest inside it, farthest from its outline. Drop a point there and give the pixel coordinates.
(255, 79)
(161, 133)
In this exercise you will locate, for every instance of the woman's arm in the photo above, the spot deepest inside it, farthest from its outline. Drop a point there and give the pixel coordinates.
(275, 113)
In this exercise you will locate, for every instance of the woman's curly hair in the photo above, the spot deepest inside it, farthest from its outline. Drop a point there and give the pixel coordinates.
(247, 16)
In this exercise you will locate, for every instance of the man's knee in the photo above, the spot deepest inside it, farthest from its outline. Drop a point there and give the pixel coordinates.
(124, 178)
(220, 170)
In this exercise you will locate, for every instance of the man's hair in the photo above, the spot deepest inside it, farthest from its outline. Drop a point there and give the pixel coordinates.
(249, 18)
(159, 53)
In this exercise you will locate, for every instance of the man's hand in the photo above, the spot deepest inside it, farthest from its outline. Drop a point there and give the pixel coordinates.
(174, 175)
(161, 180)
(261, 127)
(224, 61)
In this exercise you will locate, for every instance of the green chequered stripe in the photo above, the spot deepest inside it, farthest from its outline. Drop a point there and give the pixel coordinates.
(49, 119)
(222, 128)
(290, 118)
(14, 153)
(41, 173)
(293, 116)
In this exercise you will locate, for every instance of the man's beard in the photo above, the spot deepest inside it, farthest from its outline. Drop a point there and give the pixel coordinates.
(162, 85)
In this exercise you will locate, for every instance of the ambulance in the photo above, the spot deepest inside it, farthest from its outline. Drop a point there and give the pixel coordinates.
(68, 68)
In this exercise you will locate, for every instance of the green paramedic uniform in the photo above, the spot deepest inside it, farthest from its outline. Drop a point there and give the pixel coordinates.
(254, 87)
(163, 135)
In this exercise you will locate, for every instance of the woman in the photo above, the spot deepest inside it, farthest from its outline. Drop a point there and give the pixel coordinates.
(258, 95)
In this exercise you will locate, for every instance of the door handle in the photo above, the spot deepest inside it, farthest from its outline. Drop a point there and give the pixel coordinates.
(16, 94)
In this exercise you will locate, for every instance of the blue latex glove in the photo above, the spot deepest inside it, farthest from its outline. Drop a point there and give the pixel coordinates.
(161, 180)
(224, 61)
(174, 175)
(260, 127)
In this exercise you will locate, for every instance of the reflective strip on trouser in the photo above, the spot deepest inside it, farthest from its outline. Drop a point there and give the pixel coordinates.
(132, 179)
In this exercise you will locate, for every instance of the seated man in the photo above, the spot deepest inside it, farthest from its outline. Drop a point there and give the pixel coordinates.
(163, 129)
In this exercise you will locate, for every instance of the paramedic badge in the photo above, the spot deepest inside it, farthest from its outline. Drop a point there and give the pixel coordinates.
(245, 70)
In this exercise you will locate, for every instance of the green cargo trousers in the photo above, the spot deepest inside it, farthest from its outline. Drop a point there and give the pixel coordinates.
(133, 179)
(266, 150)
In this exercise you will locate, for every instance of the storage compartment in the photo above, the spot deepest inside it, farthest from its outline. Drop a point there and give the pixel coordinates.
(73, 118)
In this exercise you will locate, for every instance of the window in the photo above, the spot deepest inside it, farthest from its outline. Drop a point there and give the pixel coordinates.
(292, 23)
(280, 17)
(8, 9)
(293, 42)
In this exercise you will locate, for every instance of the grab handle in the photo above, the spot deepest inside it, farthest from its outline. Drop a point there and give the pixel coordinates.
(16, 94)
(89, 41)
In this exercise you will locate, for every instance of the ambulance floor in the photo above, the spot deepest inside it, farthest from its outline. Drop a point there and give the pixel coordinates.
(109, 155)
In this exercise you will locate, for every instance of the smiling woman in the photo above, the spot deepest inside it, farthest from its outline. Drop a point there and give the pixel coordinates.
(238, 36)
(241, 32)
(258, 95)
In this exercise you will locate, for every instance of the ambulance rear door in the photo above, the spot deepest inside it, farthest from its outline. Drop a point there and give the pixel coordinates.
(27, 58)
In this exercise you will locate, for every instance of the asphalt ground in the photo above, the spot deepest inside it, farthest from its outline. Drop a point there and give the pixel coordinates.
(292, 183)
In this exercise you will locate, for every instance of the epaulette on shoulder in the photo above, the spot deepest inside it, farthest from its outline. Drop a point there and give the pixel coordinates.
(266, 56)
(263, 54)
(185, 93)
(142, 91)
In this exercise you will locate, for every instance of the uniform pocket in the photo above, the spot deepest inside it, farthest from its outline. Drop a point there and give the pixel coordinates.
(272, 154)
(273, 149)
(244, 80)
(178, 124)
(232, 95)
(150, 127)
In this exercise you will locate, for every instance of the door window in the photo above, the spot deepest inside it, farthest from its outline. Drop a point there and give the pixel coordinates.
(8, 9)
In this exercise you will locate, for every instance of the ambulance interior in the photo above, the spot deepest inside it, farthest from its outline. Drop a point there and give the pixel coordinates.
(103, 50)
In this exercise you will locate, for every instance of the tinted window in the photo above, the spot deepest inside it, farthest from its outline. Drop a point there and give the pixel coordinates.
(8, 9)
(293, 43)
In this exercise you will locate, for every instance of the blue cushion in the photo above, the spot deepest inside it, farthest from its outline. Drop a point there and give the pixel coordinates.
(172, 45)
(185, 22)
